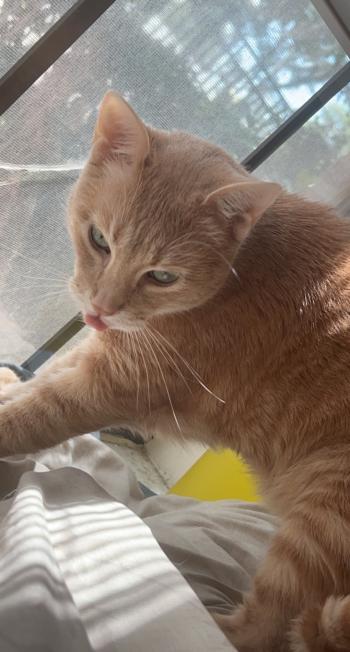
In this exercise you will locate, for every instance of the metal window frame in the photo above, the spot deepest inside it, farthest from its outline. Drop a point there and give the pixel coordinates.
(290, 126)
(48, 49)
(76, 21)
(336, 14)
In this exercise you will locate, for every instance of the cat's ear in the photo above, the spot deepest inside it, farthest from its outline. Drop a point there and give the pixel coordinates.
(244, 203)
(119, 134)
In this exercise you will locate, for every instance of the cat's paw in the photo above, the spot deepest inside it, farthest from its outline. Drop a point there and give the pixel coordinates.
(225, 624)
(7, 377)
(9, 384)
(323, 628)
(250, 630)
(11, 387)
(231, 626)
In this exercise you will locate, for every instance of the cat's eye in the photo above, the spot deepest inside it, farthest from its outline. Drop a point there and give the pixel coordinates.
(162, 277)
(98, 240)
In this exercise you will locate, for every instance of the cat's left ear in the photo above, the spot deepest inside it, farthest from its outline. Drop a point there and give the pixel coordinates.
(119, 134)
(244, 203)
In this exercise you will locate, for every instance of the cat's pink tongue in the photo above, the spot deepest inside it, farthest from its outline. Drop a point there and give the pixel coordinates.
(95, 322)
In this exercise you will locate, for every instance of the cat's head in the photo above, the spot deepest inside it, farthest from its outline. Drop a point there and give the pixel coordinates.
(156, 220)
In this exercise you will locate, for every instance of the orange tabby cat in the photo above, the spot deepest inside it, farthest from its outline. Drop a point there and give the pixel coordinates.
(255, 357)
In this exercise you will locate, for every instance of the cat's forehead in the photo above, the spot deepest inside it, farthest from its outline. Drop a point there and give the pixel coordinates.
(134, 221)
(188, 162)
(179, 171)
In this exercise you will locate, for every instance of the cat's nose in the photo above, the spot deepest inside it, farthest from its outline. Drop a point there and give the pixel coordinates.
(102, 311)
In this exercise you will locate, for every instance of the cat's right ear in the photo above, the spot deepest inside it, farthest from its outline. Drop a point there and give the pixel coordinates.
(119, 134)
(244, 203)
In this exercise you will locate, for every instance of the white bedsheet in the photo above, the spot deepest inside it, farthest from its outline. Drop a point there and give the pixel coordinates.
(80, 569)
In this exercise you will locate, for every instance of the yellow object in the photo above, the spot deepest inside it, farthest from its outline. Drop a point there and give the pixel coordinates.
(217, 476)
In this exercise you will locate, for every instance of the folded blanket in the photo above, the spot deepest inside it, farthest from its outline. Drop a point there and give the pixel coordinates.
(81, 569)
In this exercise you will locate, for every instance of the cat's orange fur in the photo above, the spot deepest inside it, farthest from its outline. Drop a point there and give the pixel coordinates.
(255, 356)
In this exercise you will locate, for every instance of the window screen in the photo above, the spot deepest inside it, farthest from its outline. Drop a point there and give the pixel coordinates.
(316, 160)
(232, 71)
(22, 22)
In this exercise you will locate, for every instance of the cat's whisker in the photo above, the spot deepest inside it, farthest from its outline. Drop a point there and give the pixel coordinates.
(14, 253)
(192, 241)
(137, 335)
(80, 320)
(164, 381)
(126, 337)
(62, 279)
(48, 295)
(19, 288)
(126, 340)
(37, 284)
(168, 358)
(137, 369)
(190, 368)
(54, 292)
(218, 253)
(194, 373)
(49, 292)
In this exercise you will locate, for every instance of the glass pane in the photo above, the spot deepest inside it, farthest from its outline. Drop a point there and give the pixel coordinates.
(22, 23)
(316, 160)
(229, 71)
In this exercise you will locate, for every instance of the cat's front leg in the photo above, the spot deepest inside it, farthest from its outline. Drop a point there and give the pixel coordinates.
(71, 397)
(11, 387)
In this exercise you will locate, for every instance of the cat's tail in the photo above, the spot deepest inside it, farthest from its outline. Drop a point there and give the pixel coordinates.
(324, 629)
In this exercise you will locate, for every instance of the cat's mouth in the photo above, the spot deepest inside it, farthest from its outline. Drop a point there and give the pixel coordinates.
(102, 324)
(95, 321)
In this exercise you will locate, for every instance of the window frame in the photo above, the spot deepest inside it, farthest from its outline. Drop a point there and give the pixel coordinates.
(76, 21)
